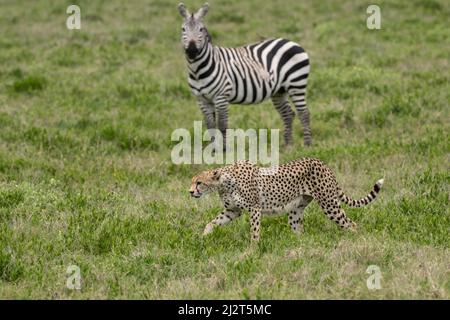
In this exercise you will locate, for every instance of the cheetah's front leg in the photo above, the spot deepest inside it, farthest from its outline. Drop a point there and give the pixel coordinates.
(223, 218)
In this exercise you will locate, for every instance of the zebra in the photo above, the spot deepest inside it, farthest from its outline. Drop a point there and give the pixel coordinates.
(273, 68)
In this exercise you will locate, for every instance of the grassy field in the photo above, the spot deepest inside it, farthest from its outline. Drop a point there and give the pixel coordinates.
(86, 177)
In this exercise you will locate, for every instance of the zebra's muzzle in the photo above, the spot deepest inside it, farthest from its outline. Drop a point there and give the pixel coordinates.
(192, 50)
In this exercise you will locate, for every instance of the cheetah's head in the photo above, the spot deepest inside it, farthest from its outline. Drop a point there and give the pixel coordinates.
(205, 182)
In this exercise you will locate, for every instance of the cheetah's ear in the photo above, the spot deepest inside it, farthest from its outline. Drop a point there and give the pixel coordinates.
(201, 13)
(183, 11)
(216, 174)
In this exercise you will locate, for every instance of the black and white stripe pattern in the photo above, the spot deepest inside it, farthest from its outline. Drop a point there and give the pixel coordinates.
(363, 201)
(273, 68)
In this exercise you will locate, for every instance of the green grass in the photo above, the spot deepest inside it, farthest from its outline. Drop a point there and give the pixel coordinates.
(86, 177)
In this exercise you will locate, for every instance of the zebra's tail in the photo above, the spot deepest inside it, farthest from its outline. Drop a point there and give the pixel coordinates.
(363, 201)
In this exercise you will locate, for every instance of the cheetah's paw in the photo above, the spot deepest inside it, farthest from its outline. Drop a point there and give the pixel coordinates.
(208, 229)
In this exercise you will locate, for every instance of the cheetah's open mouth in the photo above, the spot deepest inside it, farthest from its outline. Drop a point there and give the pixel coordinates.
(198, 195)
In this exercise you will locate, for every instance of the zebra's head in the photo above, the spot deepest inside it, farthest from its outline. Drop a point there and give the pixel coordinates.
(194, 36)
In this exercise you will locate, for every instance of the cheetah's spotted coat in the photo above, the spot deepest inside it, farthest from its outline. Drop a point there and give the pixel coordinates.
(286, 188)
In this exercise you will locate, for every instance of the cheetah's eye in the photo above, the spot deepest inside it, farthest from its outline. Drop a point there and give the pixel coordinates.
(202, 29)
(183, 29)
(199, 183)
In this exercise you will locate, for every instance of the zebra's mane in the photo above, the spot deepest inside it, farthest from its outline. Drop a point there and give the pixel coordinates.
(208, 36)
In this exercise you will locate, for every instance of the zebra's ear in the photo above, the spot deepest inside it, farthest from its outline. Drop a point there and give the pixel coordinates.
(202, 11)
(183, 11)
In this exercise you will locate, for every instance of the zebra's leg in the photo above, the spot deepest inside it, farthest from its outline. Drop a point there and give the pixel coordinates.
(209, 113)
(299, 100)
(221, 105)
(283, 107)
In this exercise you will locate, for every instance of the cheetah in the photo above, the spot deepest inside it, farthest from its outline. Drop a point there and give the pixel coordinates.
(287, 188)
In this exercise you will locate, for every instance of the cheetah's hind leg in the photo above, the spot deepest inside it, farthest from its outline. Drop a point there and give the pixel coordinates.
(296, 215)
(334, 212)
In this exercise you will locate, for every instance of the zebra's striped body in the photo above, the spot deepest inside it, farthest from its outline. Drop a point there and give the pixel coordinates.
(249, 74)
(273, 68)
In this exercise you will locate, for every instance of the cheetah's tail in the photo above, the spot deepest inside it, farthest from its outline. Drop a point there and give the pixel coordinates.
(364, 201)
